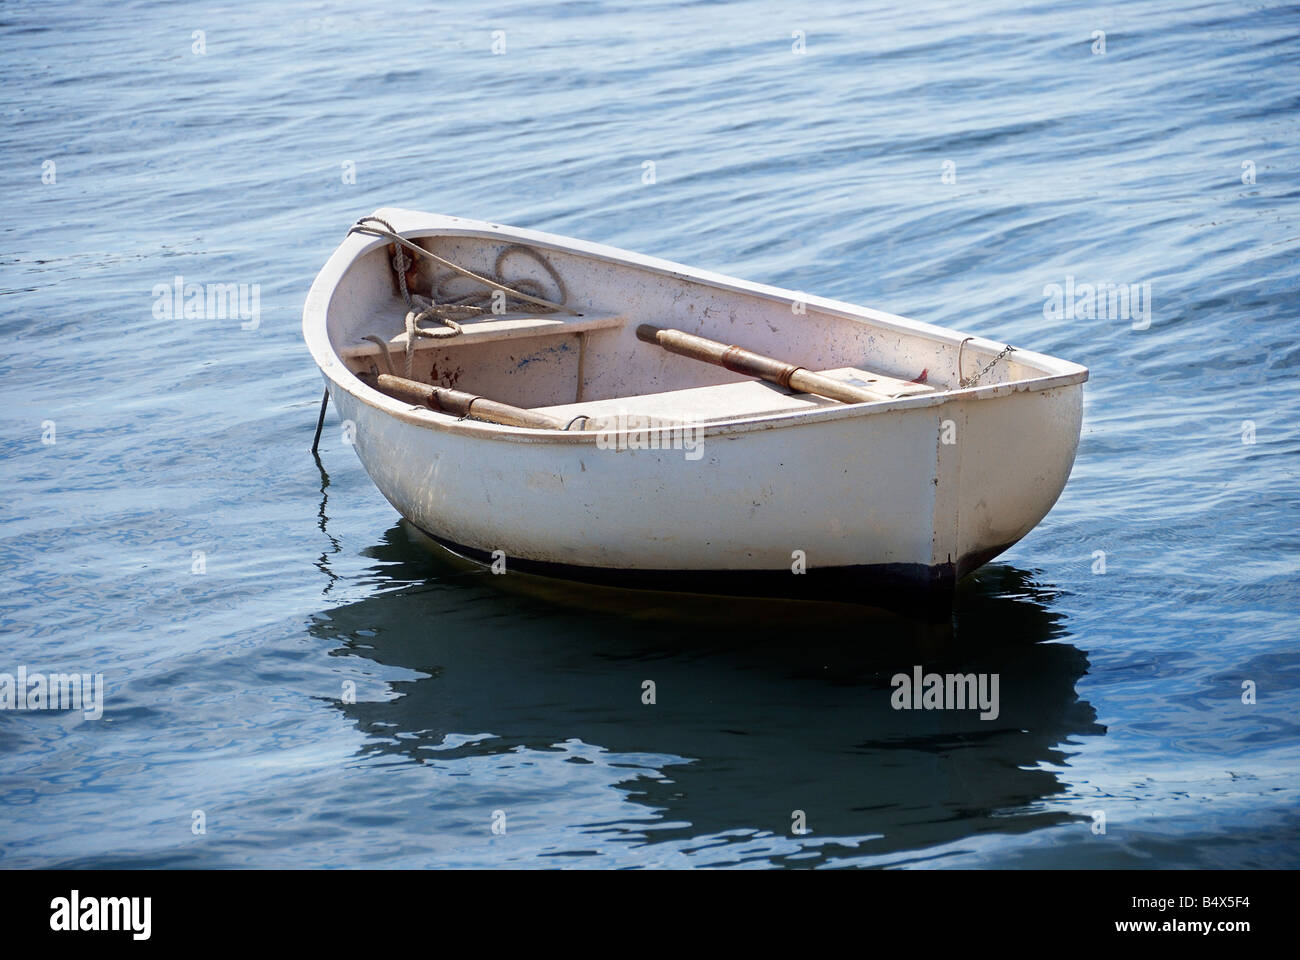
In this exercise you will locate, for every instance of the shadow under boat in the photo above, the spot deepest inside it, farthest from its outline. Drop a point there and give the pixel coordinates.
(771, 707)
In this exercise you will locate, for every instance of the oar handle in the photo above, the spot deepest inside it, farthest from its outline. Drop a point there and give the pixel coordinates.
(739, 360)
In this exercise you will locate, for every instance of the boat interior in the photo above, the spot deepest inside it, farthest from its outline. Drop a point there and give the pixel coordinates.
(567, 344)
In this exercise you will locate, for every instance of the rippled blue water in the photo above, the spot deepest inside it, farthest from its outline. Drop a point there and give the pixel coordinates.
(822, 171)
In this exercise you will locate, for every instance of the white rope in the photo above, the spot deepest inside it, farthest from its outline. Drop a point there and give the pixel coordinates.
(420, 308)
(496, 284)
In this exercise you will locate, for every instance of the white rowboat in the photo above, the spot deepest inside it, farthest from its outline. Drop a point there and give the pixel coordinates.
(629, 461)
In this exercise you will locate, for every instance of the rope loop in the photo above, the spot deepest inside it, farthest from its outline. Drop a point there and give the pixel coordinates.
(420, 308)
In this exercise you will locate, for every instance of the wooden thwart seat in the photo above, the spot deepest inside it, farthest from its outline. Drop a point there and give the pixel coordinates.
(725, 401)
(781, 387)
(488, 328)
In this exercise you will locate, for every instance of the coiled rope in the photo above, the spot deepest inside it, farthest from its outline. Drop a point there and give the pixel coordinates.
(452, 308)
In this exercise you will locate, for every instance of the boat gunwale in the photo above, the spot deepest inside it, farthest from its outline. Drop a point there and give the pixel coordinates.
(355, 246)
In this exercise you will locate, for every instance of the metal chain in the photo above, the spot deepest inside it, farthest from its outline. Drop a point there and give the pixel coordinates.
(971, 381)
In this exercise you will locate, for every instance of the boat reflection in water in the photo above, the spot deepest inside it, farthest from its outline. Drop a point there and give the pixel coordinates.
(763, 709)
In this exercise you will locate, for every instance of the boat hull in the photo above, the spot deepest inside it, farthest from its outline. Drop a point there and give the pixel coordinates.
(868, 508)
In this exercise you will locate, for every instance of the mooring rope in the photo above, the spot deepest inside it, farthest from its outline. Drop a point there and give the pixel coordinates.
(389, 233)
(420, 308)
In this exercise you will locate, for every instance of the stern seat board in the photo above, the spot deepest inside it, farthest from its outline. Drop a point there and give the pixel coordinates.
(726, 401)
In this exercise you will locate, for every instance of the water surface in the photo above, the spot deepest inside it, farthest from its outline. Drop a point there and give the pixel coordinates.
(1170, 160)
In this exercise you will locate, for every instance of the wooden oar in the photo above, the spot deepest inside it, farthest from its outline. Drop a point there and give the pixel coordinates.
(458, 403)
(739, 360)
